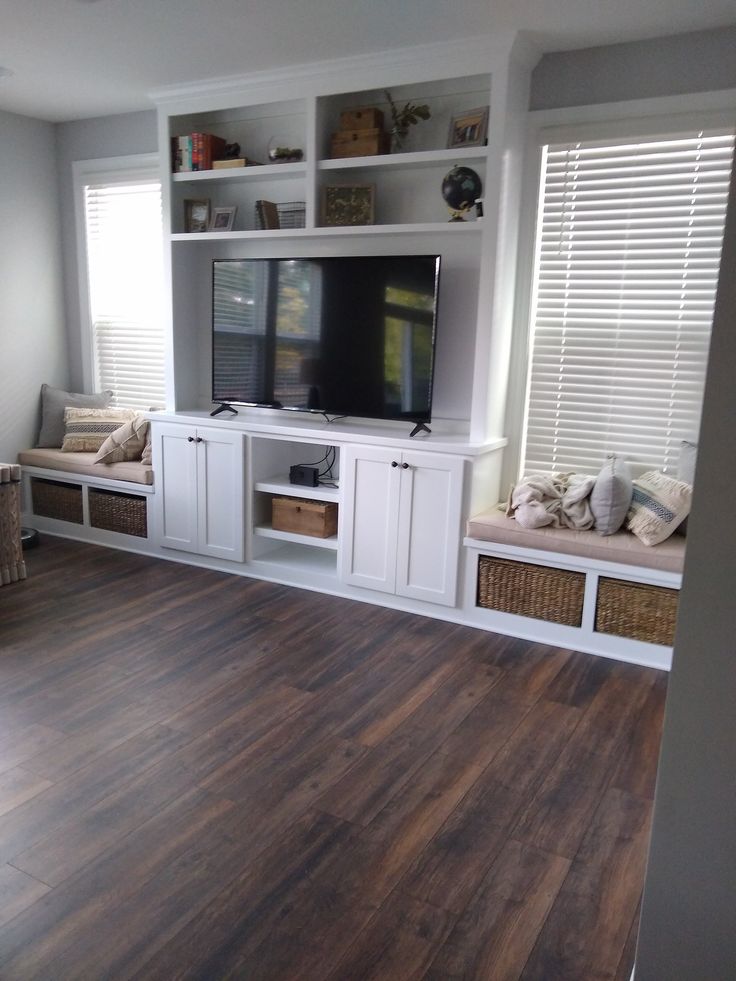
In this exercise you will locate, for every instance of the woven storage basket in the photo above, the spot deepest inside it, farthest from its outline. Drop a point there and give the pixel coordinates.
(530, 590)
(636, 610)
(53, 499)
(12, 566)
(113, 511)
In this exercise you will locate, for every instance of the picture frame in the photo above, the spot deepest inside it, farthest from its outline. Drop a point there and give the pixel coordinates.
(196, 215)
(223, 219)
(469, 128)
(348, 204)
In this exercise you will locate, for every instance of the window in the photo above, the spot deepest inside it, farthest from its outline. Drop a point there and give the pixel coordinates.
(627, 255)
(119, 205)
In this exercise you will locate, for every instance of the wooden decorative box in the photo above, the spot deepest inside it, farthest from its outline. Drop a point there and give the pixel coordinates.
(364, 118)
(304, 517)
(359, 143)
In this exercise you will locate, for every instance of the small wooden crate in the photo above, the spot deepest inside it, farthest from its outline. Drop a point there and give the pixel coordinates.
(528, 590)
(116, 511)
(359, 143)
(56, 499)
(304, 517)
(366, 117)
(636, 610)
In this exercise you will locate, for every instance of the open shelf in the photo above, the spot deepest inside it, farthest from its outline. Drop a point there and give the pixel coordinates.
(419, 158)
(432, 227)
(294, 558)
(282, 485)
(265, 531)
(255, 172)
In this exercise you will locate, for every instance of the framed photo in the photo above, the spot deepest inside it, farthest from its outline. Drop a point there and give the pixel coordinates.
(469, 128)
(222, 219)
(348, 204)
(196, 215)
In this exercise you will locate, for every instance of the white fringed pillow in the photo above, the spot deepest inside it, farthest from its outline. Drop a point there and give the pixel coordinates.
(658, 505)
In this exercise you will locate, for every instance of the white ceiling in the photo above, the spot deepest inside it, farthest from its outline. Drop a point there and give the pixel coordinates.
(73, 59)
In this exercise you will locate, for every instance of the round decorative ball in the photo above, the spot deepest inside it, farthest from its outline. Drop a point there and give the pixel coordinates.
(461, 188)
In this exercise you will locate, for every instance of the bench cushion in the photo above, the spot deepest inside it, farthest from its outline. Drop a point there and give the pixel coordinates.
(623, 547)
(82, 463)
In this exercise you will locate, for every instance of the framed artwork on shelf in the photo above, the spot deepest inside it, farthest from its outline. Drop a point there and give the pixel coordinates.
(196, 215)
(348, 204)
(468, 128)
(223, 219)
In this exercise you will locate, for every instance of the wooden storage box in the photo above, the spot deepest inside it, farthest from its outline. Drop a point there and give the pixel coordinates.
(528, 590)
(304, 517)
(55, 499)
(366, 117)
(359, 143)
(116, 511)
(636, 610)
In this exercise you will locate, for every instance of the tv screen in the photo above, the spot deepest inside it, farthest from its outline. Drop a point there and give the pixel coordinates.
(341, 335)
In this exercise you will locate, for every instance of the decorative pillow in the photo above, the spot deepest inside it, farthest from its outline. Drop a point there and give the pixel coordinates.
(126, 443)
(611, 495)
(85, 430)
(147, 454)
(53, 403)
(686, 471)
(658, 505)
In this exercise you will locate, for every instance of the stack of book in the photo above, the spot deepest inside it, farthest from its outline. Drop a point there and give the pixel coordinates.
(197, 151)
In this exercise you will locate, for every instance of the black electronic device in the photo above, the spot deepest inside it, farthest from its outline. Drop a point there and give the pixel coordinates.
(338, 335)
(304, 476)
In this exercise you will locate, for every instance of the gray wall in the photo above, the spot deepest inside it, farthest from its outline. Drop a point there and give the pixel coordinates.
(688, 927)
(703, 61)
(91, 139)
(32, 337)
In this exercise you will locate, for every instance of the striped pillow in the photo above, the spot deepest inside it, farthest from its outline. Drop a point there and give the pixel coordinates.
(85, 430)
(658, 505)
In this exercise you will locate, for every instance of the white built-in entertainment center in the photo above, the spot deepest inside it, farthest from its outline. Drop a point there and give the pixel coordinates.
(402, 502)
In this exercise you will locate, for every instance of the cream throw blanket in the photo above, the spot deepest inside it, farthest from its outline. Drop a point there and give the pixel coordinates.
(556, 499)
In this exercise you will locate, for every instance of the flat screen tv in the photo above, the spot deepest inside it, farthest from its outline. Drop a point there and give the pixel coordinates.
(339, 335)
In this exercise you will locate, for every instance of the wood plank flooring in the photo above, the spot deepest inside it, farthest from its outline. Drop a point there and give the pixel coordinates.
(204, 776)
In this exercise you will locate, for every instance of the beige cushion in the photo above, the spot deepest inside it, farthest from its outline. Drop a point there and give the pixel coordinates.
(53, 403)
(623, 547)
(85, 430)
(83, 463)
(126, 443)
(659, 504)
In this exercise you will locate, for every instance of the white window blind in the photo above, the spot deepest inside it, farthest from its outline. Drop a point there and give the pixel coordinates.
(628, 251)
(123, 227)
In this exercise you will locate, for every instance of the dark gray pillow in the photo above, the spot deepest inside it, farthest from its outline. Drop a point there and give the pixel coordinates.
(53, 403)
(611, 495)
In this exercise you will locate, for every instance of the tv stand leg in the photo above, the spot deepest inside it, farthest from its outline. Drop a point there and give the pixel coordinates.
(420, 427)
(223, 407)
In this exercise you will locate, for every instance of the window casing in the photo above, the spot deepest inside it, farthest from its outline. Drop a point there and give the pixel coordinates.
(120, 227)
(626, 265)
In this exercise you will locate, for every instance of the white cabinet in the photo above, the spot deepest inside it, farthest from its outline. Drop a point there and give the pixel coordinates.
(199, 489)
(400, 522)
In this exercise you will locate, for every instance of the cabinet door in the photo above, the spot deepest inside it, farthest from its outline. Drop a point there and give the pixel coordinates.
(369, 517)
(220, 498)
(429, 527)
(175, 498)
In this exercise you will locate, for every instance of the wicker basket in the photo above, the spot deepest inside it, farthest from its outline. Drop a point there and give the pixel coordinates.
(54, 499)
(12, 566)
(114, 511)
(527, 590)
(636, 610)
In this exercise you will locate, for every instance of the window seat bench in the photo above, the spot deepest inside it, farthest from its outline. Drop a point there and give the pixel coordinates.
(609, 595)
(68, 494)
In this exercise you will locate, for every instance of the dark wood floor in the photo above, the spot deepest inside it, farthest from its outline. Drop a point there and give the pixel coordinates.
(204, 776)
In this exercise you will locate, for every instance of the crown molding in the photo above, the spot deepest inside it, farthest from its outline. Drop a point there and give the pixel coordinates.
(466, 56)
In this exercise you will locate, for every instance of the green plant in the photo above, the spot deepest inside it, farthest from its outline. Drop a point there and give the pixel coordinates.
(402, 118)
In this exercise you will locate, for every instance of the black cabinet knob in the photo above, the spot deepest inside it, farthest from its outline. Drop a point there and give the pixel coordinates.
(404, 466)
(199, 440)
(394, 463)
(190, 439)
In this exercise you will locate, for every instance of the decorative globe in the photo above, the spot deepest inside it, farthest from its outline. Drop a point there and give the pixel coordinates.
(461, 188)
